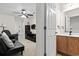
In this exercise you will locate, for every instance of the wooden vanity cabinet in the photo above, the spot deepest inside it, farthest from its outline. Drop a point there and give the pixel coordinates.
(62, 44)
(68, 45)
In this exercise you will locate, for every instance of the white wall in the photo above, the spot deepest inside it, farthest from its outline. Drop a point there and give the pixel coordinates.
(60, 19)
(40, 29)
(9, 21)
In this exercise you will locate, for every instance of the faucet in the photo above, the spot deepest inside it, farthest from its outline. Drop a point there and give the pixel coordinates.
(70, 31)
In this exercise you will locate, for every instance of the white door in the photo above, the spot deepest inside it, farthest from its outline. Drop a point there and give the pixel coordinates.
(51, 29)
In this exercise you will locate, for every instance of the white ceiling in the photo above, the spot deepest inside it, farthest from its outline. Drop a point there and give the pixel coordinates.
(10, 8)
(73, 12)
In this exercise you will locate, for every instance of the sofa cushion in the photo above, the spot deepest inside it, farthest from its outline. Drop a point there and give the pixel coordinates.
(7, 40)
(7, 32)
(17, 48)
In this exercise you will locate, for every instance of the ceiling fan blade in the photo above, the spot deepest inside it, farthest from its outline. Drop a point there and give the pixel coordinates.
(26, 16)
(30, 14)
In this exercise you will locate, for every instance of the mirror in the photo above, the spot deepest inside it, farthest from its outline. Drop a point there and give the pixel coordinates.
(72, 20)
(74, 24)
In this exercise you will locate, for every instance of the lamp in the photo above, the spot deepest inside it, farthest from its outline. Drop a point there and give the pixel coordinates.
(3, 26)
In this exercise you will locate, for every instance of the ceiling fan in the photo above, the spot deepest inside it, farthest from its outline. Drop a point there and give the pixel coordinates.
(24, 13)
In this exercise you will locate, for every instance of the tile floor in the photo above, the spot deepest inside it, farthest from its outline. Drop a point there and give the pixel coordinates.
(30, 48)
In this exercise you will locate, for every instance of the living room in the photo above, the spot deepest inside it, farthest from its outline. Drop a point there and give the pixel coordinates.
(19, 21)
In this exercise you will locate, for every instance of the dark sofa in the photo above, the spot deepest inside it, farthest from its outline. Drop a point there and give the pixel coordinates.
(5, 51)
(13, 37)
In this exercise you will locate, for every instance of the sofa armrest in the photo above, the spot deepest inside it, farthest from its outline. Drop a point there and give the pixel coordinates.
(14, 36)
(18, 47)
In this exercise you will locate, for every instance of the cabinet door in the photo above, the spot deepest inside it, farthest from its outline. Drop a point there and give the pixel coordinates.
(58, 42)
(62, 44)
(73, 46)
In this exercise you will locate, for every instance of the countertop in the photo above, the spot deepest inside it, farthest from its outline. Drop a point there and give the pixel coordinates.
(72, 35)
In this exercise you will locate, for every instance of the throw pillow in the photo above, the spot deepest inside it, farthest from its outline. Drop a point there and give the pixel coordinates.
(7, 40)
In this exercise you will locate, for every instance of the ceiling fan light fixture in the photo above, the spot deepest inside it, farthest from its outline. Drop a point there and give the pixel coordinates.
(23, 16)
(23, 12)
